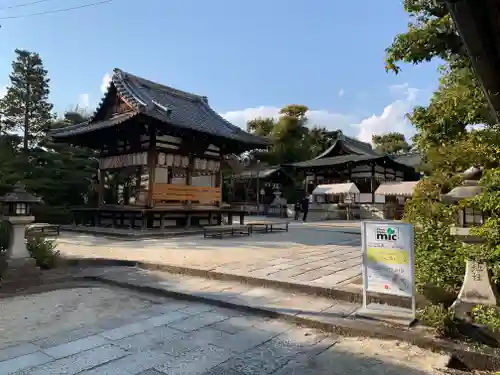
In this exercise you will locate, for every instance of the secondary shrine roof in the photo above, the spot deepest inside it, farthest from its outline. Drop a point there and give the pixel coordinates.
(348, 145)
(176, 108)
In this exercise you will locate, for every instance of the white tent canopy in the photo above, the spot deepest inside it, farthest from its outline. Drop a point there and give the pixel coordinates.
(402, 188)
(336, 189)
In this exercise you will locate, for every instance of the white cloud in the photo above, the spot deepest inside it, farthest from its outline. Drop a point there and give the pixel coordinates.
(3, 91)
(83, 101)
(341, 92)
(105, 82)
(392, 119)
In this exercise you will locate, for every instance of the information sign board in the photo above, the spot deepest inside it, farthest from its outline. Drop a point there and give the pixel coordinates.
(388, 261)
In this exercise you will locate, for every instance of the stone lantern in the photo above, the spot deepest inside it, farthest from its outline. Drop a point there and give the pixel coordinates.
(16, 209)
(477, 287)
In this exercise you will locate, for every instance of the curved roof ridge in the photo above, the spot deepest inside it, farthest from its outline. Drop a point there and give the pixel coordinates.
(156, 85)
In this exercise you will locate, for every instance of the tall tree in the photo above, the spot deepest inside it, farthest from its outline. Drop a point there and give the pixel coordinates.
(391, 143)
(319, 140)
(459, 100)
(431, 34)
(445, 137)
(289, 134)
(64, 173)
(25, 106)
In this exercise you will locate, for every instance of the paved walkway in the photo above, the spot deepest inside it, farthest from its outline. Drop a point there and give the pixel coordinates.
(172, 337)
(311, 254)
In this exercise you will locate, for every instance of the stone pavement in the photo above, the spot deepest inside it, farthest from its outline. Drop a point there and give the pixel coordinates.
(309, 254)
(175, 337)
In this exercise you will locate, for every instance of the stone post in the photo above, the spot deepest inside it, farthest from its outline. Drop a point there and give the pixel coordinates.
(477, 288)
(20, 265)
(17, 211)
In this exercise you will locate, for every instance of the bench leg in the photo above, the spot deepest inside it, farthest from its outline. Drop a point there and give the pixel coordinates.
(242, 219)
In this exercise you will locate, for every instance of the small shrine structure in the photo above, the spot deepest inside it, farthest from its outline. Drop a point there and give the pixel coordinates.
(169, 145)
(349, 160)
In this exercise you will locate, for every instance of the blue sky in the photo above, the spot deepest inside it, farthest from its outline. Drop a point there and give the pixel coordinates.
(249, 57)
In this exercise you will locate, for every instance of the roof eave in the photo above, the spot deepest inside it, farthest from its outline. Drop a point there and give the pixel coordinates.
(481, 38)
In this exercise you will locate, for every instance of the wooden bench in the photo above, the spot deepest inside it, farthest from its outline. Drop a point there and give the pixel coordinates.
(221, 231)
(268, 226)
(42, 230)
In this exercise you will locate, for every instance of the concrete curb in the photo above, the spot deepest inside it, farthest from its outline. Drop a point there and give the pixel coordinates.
(488, 360)
(346, 293)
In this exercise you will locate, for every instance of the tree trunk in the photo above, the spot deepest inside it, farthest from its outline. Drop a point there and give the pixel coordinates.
(26, 126)
(26, 131)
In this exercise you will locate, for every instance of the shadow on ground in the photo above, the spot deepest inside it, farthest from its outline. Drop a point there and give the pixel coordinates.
(172, 337)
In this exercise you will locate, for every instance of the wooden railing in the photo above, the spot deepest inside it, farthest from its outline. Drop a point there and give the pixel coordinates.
(182, 193)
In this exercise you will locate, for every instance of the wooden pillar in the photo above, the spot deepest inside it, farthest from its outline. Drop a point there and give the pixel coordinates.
(189, 175)
(218, 183)
(372, 183)
(189, 171)
(152, 156)
(151, 177)
(100, 189)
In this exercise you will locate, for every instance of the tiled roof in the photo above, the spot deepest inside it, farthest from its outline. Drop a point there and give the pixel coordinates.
(354, 145)
(87, 126)
(412, 159)
(335, 160)
(174, 107)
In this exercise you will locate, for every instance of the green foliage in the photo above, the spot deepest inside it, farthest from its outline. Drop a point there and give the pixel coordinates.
(25, 106)
(449, 147)
(431, 34)
(5, 235)
(487, 315)
(458, 102)
(439, 257)
(489, 203)
(43, 251)
(391, 143)
(292, 139)
(439, 317)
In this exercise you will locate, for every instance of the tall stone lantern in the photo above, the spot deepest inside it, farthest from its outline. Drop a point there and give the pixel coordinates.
(16, 209)
(477, 287)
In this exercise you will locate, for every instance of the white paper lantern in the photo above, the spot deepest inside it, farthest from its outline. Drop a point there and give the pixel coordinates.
(177, 160)
(161, 158)
(170, 160)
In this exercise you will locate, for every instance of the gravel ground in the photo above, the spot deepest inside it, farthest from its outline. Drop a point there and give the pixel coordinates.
(27, 318)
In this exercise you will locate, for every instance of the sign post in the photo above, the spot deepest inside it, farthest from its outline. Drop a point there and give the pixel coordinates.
(388, 267)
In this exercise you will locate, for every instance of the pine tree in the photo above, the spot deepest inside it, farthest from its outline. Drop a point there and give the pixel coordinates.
(25, 106)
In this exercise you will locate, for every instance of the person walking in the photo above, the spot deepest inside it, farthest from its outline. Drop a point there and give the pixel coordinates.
(305, 207)
(298, 203)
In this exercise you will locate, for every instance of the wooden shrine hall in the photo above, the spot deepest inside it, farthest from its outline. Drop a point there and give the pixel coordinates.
(160, 151)
(349, 162)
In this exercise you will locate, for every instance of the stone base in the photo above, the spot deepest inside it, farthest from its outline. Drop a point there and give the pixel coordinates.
(389, 314)
(21, 270)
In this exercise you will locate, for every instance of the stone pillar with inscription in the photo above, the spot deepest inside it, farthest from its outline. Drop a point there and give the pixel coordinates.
(477, 288)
